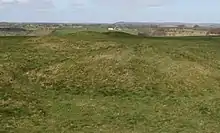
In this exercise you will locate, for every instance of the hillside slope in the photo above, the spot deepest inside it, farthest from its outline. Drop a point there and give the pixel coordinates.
(93, 82)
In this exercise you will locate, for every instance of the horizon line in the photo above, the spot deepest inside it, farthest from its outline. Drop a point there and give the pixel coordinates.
(70, 22)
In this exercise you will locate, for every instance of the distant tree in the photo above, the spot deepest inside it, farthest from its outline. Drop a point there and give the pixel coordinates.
(196, 26)
(159, 32)
(214, 31)
(154, 26)
(181, 26)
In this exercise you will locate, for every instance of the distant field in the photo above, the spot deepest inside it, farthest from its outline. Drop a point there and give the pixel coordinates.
(64, 31)
(35, 32)
(111, 82)
(42, 31)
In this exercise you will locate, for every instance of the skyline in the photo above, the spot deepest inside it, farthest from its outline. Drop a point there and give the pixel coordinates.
(100, 11)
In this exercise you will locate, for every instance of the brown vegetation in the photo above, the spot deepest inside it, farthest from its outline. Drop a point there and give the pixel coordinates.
(215, 31)
(159, 32)
(12, 29)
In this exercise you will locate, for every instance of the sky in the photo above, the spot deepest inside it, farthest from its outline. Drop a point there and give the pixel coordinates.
(108, 11)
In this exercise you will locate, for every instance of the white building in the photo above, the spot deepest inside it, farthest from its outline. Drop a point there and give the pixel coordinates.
(111, 29)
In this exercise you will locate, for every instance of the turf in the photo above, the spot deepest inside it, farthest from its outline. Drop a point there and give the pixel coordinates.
(90, 82)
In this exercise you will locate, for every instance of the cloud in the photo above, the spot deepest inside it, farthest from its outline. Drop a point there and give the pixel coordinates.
(66, 6)
(55, 5)
(76, 4)
(13, 1)
(26, 4)
(117, 4)
(132, 3)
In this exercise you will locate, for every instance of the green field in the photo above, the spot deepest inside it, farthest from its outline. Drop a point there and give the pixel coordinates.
(65, 31)
(90, 82)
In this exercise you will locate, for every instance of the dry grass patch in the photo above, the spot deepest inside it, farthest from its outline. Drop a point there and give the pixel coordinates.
(6, 77)
(188, 75)
(55, 43)
(99, 70)
(104, 45)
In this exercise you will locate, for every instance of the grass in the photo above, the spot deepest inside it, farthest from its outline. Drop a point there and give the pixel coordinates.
(91, 82)
(65, 31)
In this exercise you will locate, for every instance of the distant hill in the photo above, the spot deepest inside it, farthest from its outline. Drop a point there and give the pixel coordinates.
(168, 23)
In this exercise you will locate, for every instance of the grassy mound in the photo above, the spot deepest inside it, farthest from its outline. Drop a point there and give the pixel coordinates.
(109, 82)
(120, 34)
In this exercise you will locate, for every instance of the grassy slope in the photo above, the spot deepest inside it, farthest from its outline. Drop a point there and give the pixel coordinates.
(109, 83)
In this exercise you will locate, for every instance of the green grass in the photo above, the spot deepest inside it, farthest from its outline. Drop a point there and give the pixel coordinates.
(91, 82)
(65, 31)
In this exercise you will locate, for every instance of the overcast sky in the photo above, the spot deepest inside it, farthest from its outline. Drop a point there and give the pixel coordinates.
(110, 10)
